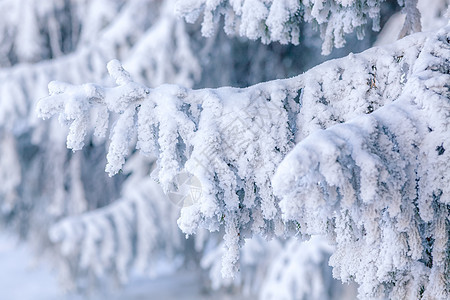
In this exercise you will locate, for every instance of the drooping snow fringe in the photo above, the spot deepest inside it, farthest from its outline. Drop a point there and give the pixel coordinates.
(32, 31)
(280, 20)
(302, 268)
(131, 233)
(378, 185)
(233, 139)
(280, 269)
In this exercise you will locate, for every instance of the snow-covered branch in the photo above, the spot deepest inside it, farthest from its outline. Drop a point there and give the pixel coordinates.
(233, 139)
(379, 186)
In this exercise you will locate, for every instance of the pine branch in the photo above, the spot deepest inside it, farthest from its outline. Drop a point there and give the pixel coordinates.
(378, 184)
(232, 139)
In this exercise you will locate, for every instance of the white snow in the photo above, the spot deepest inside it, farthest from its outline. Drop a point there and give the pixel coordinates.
(23, 278)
